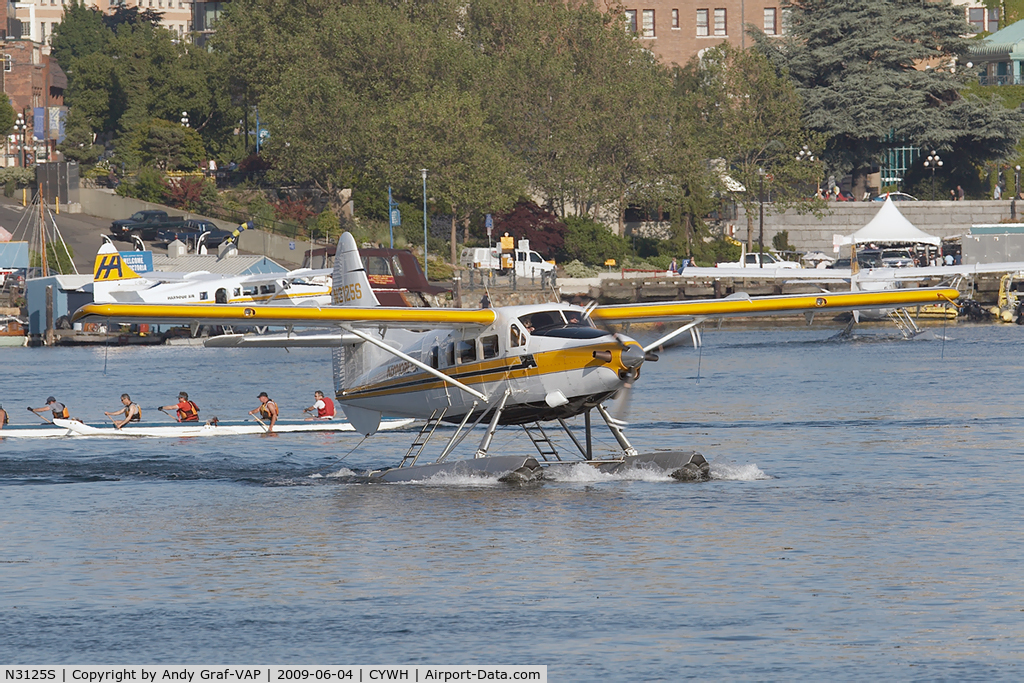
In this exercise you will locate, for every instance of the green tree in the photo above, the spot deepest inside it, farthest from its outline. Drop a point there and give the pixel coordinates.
(149, 187)
(80, 33)
(165, 145)
(78, 144)
(750, 114)
(592, 243)
(7, 116)
(578, 101)
(856, 67)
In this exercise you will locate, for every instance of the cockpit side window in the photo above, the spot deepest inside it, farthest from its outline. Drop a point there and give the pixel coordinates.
(434, 356)
(516, 336)
(450, 353)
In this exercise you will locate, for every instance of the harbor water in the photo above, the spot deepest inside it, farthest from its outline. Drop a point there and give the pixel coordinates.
(863, 521)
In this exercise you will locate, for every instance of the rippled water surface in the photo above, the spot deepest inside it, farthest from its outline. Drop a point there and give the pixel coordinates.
(863, 521)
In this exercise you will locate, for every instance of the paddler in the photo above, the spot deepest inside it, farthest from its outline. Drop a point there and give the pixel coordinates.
(3, 417)
(188, 411)
(267, 410)
(324, 407)
(131, 411)
(59, 410)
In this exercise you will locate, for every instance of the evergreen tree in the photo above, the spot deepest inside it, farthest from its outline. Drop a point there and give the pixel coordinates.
(80, 33)
(876, 70)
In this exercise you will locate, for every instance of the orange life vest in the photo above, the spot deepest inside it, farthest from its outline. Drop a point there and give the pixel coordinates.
(265, 409)
(61, 414)
(190, 415)
(327, 410)
(137, 417)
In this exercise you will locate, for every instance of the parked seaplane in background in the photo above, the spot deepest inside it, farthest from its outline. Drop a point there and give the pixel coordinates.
(516, 365)
(115, 281)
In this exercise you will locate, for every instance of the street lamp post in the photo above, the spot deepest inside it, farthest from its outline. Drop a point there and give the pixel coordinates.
(423, 171)
(1016, 180)
(805, 154)
(933, 161)
(19, 129)
(760, 236)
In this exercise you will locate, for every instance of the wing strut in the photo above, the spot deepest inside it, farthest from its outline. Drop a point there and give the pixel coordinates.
(421, 365)
(672, 335)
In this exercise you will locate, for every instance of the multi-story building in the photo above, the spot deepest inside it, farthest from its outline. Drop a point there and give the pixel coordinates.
(39, 17)
(676, 30)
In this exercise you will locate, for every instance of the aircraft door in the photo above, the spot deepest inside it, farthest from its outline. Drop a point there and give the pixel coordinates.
(221, 297)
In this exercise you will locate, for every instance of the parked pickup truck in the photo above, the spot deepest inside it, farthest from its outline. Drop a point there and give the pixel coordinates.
(754, 261)
(191, 231)
(145, 224)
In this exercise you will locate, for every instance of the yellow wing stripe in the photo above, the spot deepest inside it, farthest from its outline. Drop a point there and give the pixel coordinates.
(281, 315)
(772, 305)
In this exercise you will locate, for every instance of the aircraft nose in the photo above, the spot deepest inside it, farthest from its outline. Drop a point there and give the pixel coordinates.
(632, 356)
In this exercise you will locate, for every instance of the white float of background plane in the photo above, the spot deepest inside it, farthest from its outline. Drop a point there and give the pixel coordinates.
(516, 365)
(115, 281)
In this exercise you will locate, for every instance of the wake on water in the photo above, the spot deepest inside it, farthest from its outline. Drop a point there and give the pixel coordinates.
(722, 469)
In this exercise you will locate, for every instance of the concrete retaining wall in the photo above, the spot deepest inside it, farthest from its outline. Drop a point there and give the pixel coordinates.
(809, 233)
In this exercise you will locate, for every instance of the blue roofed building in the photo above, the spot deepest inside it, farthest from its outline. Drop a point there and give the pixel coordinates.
(998, 58)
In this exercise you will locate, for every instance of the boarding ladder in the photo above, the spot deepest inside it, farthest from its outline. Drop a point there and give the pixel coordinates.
(540, 439)
(423, 437)
(901, 318)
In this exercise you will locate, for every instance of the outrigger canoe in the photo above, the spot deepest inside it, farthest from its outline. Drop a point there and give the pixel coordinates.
(61, 428)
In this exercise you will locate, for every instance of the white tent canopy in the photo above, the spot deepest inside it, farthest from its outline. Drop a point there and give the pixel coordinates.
(889, 225)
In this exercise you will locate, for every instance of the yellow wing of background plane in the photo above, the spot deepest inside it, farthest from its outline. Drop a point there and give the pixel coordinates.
(744, 306)
(293, 316)
(303, 316)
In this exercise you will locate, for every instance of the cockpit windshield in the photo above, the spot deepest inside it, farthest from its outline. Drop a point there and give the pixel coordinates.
(560, 323)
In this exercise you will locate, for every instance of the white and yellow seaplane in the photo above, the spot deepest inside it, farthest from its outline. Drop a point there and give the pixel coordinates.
(114, 280)
(516, 365)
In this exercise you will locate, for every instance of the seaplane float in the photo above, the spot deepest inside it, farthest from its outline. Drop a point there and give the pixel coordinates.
(517, 366)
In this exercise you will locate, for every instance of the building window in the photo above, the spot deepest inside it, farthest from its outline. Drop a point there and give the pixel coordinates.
(631, 20)
(8, 63)
(42, 32)
(769, 21)
(648, 23)
(702, 22)
(982, 19)
(720, 22)
(675, 18)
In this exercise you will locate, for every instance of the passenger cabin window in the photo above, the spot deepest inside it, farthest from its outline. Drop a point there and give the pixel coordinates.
(516, 336)
(466, 350)
(267, 289)
(203, 296)
(251, 291)
(238, 291)
(489, 346)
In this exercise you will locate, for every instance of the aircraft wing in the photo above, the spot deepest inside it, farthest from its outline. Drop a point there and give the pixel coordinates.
(795, 274)
(744, 306)
(284, 316)
(260, 278)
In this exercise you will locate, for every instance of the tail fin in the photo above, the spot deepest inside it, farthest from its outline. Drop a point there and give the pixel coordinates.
(110, 272)
(351, 286)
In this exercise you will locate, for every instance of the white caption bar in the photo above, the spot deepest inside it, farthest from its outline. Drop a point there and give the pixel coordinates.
(269, 674)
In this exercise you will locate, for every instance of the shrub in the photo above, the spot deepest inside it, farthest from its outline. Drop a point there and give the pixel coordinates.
(593, 243)
(149, 186)
(576, 268)
(192, 193)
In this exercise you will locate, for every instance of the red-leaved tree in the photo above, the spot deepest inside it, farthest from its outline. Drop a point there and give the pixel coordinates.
(544, 229)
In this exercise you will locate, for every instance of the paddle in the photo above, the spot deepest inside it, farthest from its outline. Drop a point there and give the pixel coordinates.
(111, 418)
(40, 416)
(265, 427)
